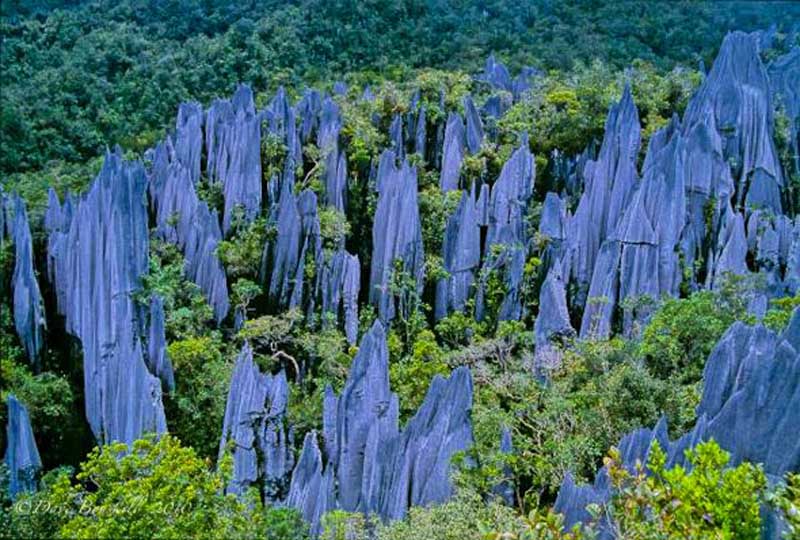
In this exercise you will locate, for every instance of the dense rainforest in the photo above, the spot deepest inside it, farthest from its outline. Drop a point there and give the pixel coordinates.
(400, 269)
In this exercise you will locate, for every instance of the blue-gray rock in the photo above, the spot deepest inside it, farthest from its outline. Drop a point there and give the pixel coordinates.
(307, 112)
(158, 361)
(312, 491)
(452, 153)
(29, 318)
(610, 180)
(22, 455)
(751, 388)
(330, 123)
(461, 257)
(339, 282)
(784, 77)
(97, 262)
(504, 490)
(474, 132)
(254, 429)
(396, 136)
(233, 145)
(377, 468)
(396, 233)
(553, 321)
(421, 133)
(186, 221)
(507, 238)
(736, 96)
(298, 236)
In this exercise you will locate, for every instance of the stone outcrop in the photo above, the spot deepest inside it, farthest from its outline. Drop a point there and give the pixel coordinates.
(233, 146)
(98, 256)
(181, 217)
(372, 466)
(750, 393)
(461, 257)
(396, 234)
(507, 239)
(22, 456)
(29, 318)
(254, 430)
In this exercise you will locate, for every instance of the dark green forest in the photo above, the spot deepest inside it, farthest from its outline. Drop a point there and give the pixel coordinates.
(81, 77)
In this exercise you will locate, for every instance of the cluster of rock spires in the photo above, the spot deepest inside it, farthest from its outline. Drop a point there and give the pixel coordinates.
(368, 464)
(709, 200)
(98, 249)
(750, 393)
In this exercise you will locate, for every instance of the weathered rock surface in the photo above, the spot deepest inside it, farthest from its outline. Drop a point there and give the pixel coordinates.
(181, 217)
(97, 259)
(298, 238)
(461, 257)
(507, 239)
(29, 318)
(233, 145)
(750, 392)
(452, 152)
(339, 283)
(378, 468)
(22, 455)
(254, 429)
(736, 97)
(396, 234)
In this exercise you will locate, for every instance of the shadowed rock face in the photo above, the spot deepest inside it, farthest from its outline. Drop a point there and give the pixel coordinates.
(735, 97)
(377, 467)
(396, 233)
(452, 152)
(339, 282)
(784, 77)
(506, 240)
(181, 217)
(98, 252)
(233, 144)
(22, 455)
(750, 395)
(29, 318)
(461, 257)
(254, 429)
(298, 237)
(610, 180)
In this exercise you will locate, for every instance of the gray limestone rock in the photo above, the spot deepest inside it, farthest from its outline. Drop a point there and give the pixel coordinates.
(750, 392)
(22, 455)
(157, 359)
(254, 430)
(233, 145)
(461, 257)
(377, 468)
(29, 318)
(506, 239)
(396, 234)
(610, 181)
(97, 260)
(339, 282)
(452, 152)
(736, 97)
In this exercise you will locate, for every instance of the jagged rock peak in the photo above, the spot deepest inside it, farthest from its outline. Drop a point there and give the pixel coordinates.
(751, 388)
(254, 429)
(97, 260)
(396, 233)
(377, 468)
(22, 455)
(29, 317)
(233, 145)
